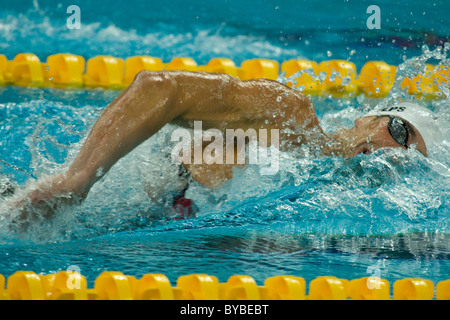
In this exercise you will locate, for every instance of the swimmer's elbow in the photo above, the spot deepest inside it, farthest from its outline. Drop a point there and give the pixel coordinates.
(149, 81)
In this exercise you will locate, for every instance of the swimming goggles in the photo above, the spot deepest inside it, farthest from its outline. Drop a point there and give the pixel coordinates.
(398, 130)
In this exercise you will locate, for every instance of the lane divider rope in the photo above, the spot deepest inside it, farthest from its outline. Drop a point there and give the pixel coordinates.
(338, 78)
(110, 285)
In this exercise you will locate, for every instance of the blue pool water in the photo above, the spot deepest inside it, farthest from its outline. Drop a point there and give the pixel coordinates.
(385, 214)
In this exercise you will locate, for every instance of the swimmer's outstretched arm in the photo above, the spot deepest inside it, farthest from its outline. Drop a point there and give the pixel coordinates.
(155, 99)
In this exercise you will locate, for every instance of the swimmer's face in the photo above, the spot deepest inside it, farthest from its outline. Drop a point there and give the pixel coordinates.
(372, 133)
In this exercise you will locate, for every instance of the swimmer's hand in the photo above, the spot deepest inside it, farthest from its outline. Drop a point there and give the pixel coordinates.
(42, 200)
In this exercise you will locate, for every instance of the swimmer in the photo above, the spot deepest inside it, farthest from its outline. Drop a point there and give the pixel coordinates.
(221, 101)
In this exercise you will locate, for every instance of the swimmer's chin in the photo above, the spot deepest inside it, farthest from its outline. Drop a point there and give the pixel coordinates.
(364, 150)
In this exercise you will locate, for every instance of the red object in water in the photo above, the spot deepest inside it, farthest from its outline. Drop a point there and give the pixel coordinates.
(184, 208)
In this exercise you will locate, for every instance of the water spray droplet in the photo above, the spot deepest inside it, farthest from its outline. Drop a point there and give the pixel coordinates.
(346, 80)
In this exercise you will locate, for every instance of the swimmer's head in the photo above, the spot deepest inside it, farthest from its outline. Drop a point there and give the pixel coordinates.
(401, 125)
